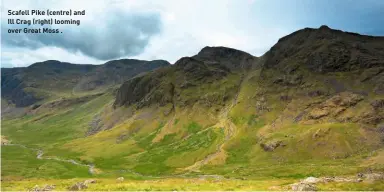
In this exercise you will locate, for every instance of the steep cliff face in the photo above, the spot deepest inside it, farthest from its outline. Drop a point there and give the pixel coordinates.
(327, 50)
(228, 57)
(190, 79)
(294, 59)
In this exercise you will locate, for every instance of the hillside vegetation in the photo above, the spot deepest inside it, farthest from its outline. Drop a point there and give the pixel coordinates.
(313, 105)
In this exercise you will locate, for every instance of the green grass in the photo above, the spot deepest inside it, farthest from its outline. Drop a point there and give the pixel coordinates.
(21, 163)
(193, 127)
(164, 158)
(48, 131)
(190, 184)
(170, 184)
(57, 127)
(363, 186)
(154, 144)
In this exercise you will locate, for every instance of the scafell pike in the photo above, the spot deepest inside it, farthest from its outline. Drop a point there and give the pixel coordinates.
(47, 12)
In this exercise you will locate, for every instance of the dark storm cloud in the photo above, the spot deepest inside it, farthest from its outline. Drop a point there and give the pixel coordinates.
(117, 35)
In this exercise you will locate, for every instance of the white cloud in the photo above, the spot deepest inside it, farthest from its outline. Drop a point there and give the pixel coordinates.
(187, 26)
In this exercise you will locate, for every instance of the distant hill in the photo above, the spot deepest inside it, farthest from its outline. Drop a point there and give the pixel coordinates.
(27, 85)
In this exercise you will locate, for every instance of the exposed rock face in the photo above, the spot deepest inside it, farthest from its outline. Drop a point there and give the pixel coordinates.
(145, 90)
(327, 50)
(371, 73)
(285, 65)
(12, 88)
(295, 79)
(335, 105)
(167, 85)
(272, 145)
(197, 70)
(231, 58)
(378, 104)
(316, 93)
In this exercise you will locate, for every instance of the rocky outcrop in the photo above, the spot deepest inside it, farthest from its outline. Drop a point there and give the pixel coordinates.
(80, 186)
(231, 58)
(172, 85)
(375, 116)
(272, 145)
(371, 177)
(303, 187)
(143, 91)
(309, 184)
(120, 179)
(5, 141)
(89, 181)
(378, 104)
(335, 105)
(327, 50)
(12, 88)
(36, 188)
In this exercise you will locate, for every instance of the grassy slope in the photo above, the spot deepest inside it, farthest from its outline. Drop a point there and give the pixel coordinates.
(339, 150)
(154, 144)
(18, 163)
(47, 130)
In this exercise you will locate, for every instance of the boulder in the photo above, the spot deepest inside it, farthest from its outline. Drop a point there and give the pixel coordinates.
(78, 186)
(89, 181)
(272, 145)
(120, 179)
(5, 141)
(45, 188)
(377, 104)
(35, 188)
(303, 187)
(373, 177)
(318, 113)
(48, 187)
(311, 180)
(316, 93)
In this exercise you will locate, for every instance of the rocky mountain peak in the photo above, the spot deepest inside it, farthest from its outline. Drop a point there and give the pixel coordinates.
(327, 50)
(231, 58)
(324, 27)
(220, 52)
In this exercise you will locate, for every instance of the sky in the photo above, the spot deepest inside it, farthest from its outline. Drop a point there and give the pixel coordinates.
(171, 29)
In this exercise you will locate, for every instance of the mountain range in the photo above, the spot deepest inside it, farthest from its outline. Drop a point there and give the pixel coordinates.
(313, 105)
